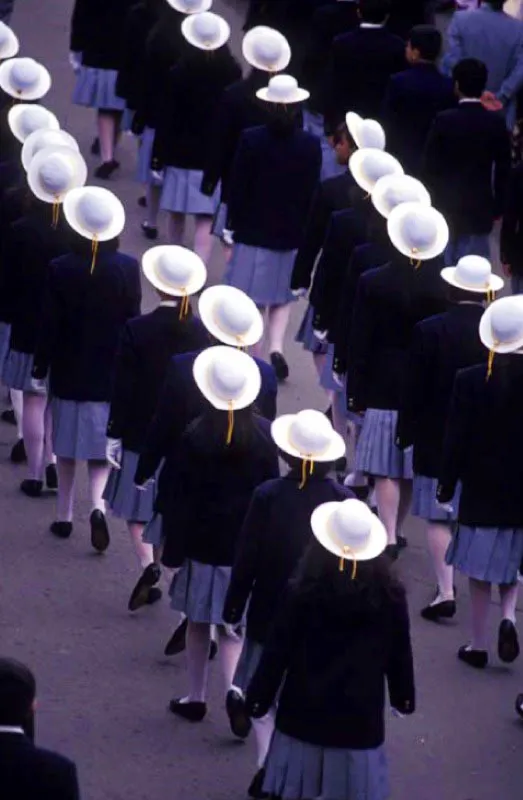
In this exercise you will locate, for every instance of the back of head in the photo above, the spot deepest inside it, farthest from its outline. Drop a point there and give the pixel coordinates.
(17, 693)
(374, 11)
(207, 435)
(470, 77)
(427, 40)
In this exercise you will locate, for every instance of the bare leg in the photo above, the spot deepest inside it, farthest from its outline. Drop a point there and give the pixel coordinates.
(388, 494)
(229, 654)
(404, 505)
(176, 228)
(198, 643)
(49, 456)
(153, 194)
(65, 468)
(98, 472)
(508, 594)
(33, 427)
(203, 238)
(18, 404)
(107, 134)
(263, 729)
(278, 321)
(143, 550)
(438, 540)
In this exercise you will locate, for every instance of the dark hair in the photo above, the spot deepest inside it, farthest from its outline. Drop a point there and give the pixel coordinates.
(342, 132)
(321, 469)
(470, 75)
(427, 40)
(374, 11)
(17, 692)
(456, 295)
(208, 432)
(496, 5)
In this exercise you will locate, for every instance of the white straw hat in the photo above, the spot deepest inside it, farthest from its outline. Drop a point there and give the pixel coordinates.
(283, 89)
(393, 190)
(501, 326)
(24, 78)
(94, 213)
(417, 231)
(266, 49)
(473, 274)
(368, 165)
(308, 435)
(9, 44)
(207, 31)
(54, 172)
(230, 316)
(25, 118)
(190, 6)
(229, 379)
(43, 139)
(174, 270)
(367, 133)
(349, 530)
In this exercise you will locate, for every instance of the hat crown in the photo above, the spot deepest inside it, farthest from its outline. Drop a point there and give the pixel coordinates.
(267, 48)
(352, 524)
(33, 119)
(190, 6)
(473, 271)
(420, 231)
(310, 433)
(25, 73)
(56, 175)
(401, 192)
(378, 164)
(94, 213)
(282, 86)
(173, 269)
(206, 27)
(506, 321)
(371, 134)
(227, 379)
(235, 315)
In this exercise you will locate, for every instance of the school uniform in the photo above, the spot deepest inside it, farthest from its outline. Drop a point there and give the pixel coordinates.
(361, 64)
(329, 737)
(12, 207)
(441, 346)
(139, 22)
(389, 302)
(482, 451)
(97, 28)
(275, 173)
(511, 238)
(275, 534)
(83, 314)
(204, 516)
(413, 99)
(28, 771)
(146, 347)
(196, 86)
(466, 169)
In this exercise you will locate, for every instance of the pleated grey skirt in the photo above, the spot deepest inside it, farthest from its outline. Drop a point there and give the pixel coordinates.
(306, 337)
(181, 193)
(220, 220)
(264, 275)
(425, 505)
(121, 495)
(248, 663)
(296, 770)
(313, 123)
(95, 88)
(487, 554)
(198, 591)
(153, 531)
(5, 336)
(17, 371)
(79, 429)
(376, 453)
(145, 152)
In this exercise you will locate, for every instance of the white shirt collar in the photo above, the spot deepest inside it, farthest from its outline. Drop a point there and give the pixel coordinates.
(11, 729)
(371, 25)
(470, 100)
(169, 303)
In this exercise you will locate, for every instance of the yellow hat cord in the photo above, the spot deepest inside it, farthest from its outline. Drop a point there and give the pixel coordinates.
(306, 462)
(490, 362)
(94, 251)
(184, 305)
(491, 296)
(415, 263)
(349, 553)
(56, 211)
(230, 425)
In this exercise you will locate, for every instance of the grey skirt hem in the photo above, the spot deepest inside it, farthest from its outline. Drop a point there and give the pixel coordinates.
(153, 531)
(17, 371)
(425, 505)
(220, 220)
(96, 88)
(377, 453)
(493, 555)
(306, 337)
(5, 336)
(198, 591)
(79, 429)
(121, 495)
(145, 152)
(248, 663)
(263, 274)
(181, 193)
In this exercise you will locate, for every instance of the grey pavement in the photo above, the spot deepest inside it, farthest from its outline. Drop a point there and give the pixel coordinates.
(104, 684)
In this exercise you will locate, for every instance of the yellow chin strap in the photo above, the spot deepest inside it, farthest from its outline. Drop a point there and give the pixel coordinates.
(230, 425)
(94, 251)
(307, 462)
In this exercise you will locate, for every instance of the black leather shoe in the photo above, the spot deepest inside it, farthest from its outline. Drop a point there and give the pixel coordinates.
(402, 542)
(140, 594)
(18, 454)
(62, 530)
(280, 366)
(149, 231)
(392, 552)
(474, 658)
(213, 650)
(51, 477)
(154, 596)
(255, 790)
(99, 531)
(239, 721)
(95, 147)
(508, 644)
(142, 201)
(446, 609)
(105, 170)
(8, 415)
(519, 705)
(31, 488)
(191, 711)
(176, 643)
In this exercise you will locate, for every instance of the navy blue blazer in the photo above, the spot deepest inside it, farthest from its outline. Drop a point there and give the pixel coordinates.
(466, 167)
(139, 22)
(96, 31)
(362, 62)
(483, 445)
(180, 402)
(82, 318)
(274, 536)
(441, 346)
(27, 771)
(413, 99)
(274, 176)
(332, 194)
(147, 345)
(13, 206)
(390, 301)
(511, 239)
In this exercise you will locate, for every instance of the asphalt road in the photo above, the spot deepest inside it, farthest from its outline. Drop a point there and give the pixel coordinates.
(104, 684)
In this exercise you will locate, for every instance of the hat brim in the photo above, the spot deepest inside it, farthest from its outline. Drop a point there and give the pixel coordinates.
(207, 305)
(248, 48)
(201, 370)
(150, 261)
(356, 167)
(188, 33)
(321, 523)
(63, 139)
(71, 213)
(280, 432)
(352, 121)
(378, 197)
(357, 132)
(37, 92)
(77, 162)
(14, 116)
(10, 46)
(485, 332)
(394, 224)
(495, 282)
(299, 96)
(205, 5)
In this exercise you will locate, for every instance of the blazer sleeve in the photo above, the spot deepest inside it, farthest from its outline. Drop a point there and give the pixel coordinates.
(417, 388)
(160, 432)
(79, 33)
(344, 318)
(240, 183)
(49, 328)
(310, 248)
(360, 348)
(245, 564)
(514, 80)
(221, 146)
(135, 290)
(266, 402)
(166, 122)
(455, 442)
(400, 667)
(511, 216)
(125, 372)
(69, 788)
